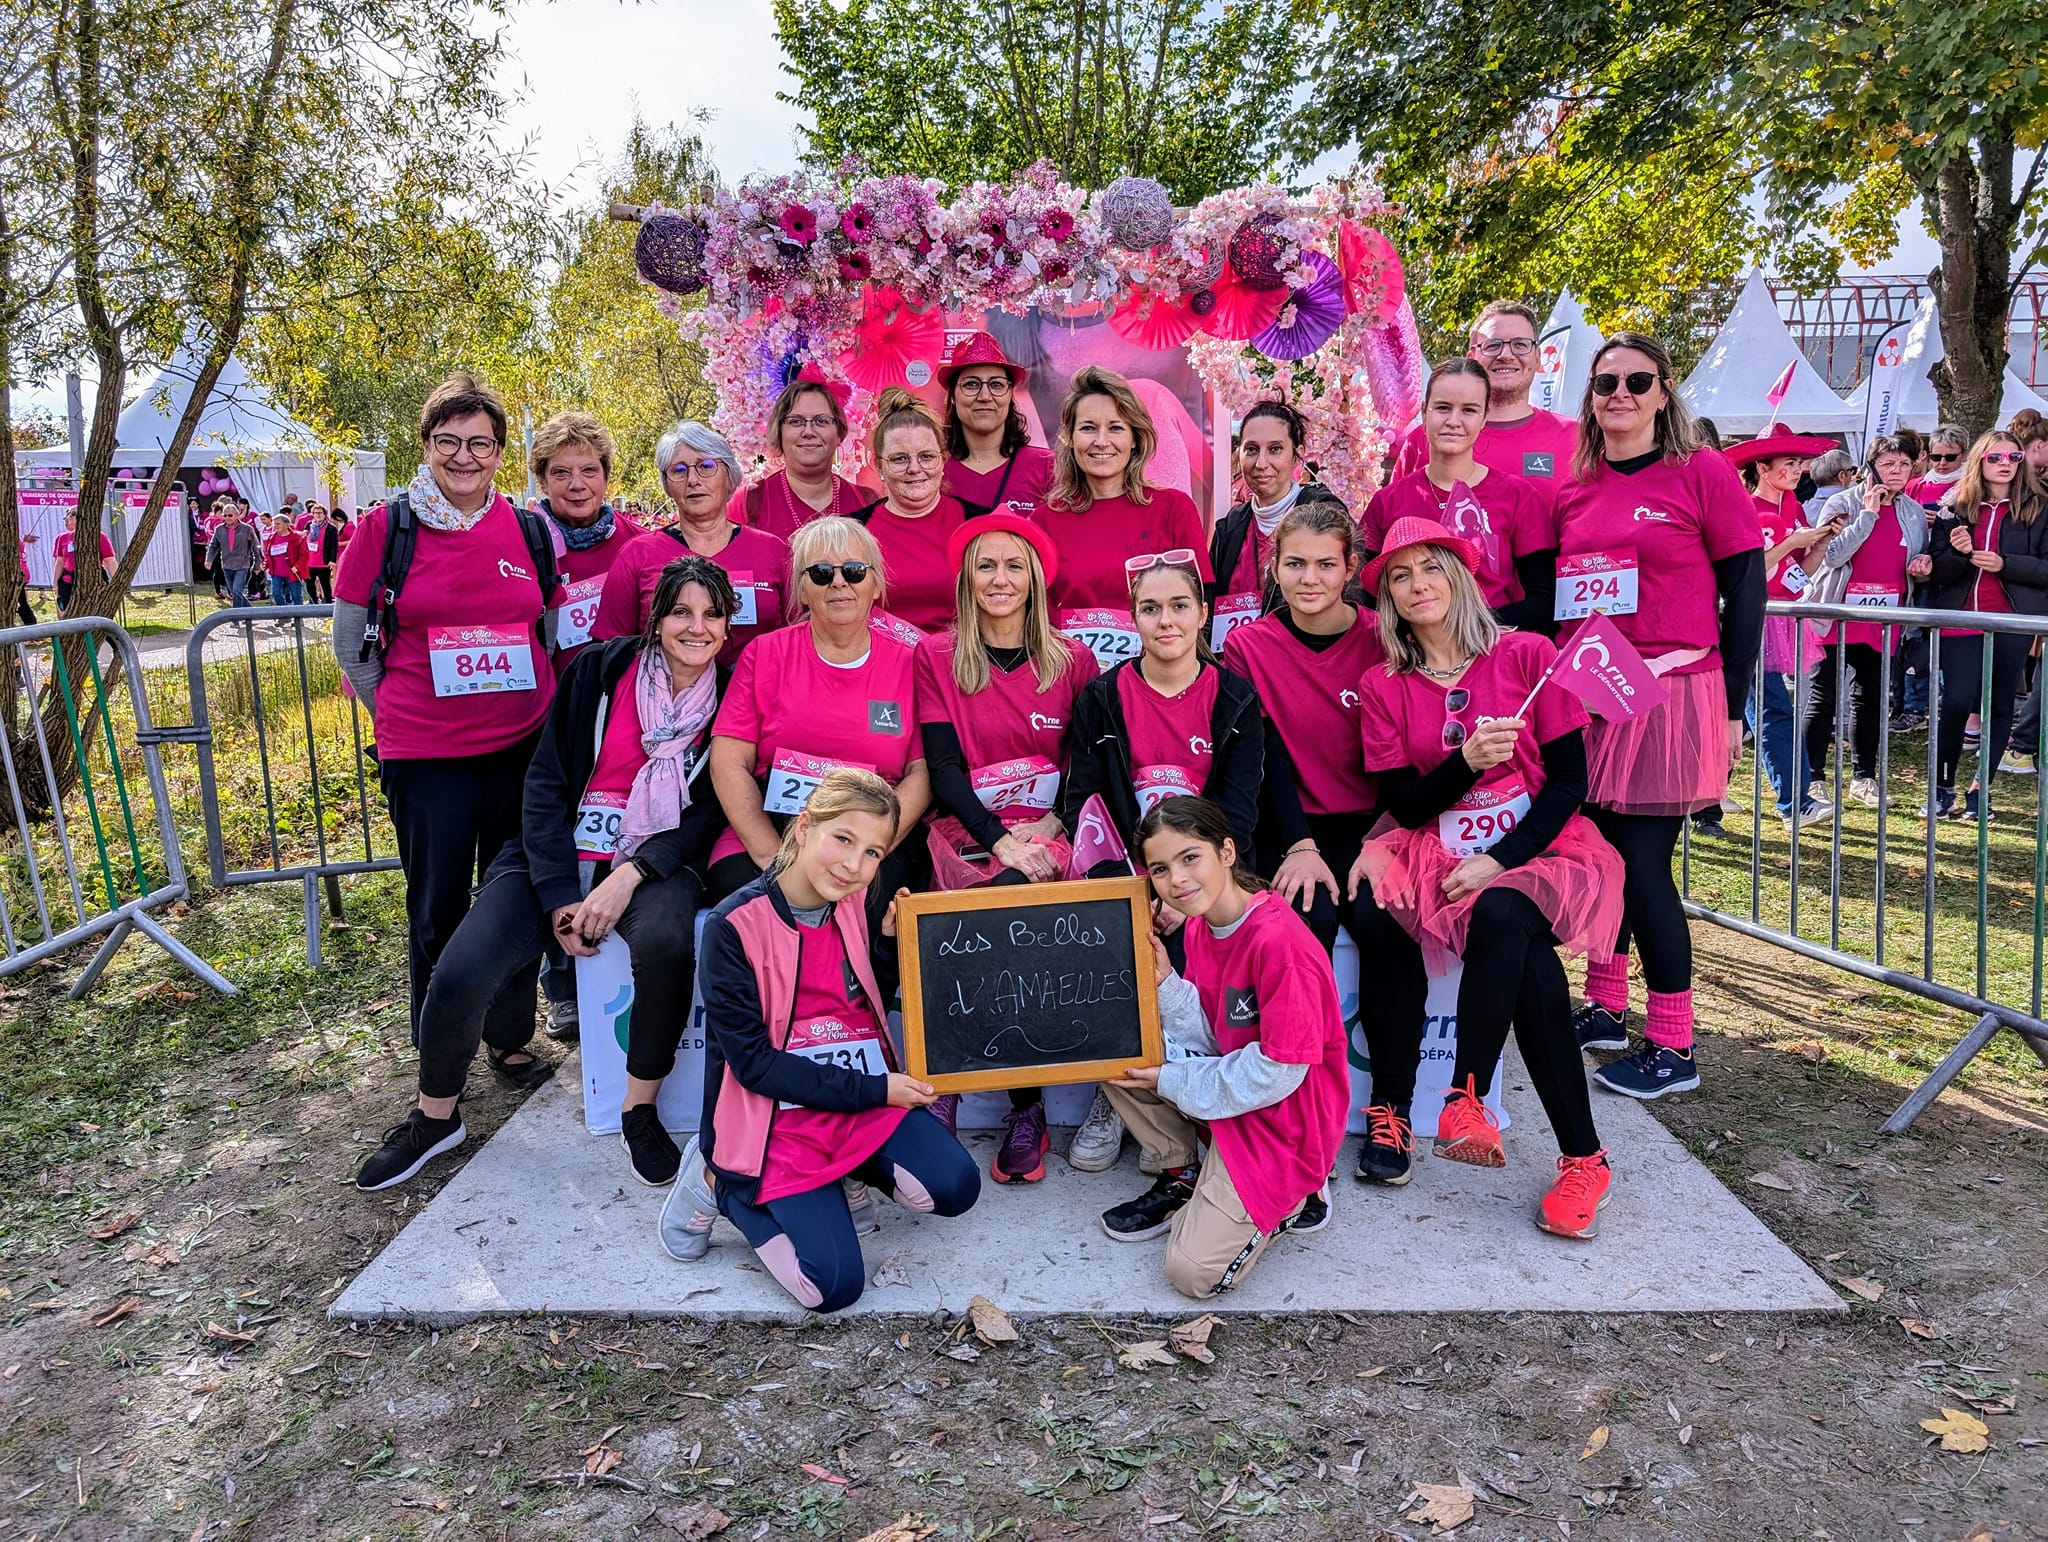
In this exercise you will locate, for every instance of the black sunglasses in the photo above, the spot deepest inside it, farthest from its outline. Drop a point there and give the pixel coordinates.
(1638, 381)
(820, 573)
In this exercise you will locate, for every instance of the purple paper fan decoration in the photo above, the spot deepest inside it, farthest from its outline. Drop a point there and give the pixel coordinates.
(1255, 253)
(669, 252)
(1317, 310)
(1137, 213)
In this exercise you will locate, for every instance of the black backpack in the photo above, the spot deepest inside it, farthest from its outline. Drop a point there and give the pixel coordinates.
(401, 536)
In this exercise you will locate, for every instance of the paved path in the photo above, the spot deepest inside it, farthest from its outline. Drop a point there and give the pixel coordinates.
(549, 1217)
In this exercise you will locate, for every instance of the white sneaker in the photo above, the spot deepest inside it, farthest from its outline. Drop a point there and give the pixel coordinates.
(861, 1205)
(1819, 811)
(1099, 1140)
(1730, 806)
(1864, 790)
(690, 1211)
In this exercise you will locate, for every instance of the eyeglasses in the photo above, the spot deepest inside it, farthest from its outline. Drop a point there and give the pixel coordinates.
(820, 573)
(1494, 347)
(683, 470)
(821, 422)
(1944, 457)
(1638, 381)
(479, 448)
(1455, 701)
(1178, 557)
(924, 460)
(2003, 457)
(996, 385)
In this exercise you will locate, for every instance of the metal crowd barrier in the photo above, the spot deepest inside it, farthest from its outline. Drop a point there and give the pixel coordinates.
(1859, 868)
(82, 789)
(292, 749)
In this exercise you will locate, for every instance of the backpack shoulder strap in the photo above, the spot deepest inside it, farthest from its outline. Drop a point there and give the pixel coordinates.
(401, 537)
(540, 545)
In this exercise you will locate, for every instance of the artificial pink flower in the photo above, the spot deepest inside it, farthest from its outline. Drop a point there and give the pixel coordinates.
(1056, 224)
(856, 224)
(855, 268)
(798, 224)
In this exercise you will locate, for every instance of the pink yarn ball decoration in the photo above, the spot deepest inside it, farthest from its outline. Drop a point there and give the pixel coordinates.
(1255, 253)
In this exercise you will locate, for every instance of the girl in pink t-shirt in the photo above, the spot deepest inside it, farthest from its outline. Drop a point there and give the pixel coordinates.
(1656, 530)
(1484, 860)
(1256, 1048)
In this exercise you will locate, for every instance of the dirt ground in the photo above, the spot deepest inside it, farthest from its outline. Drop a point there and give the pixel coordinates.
(174, 1186)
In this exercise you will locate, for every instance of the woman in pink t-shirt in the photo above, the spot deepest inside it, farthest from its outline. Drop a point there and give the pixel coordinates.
(831, 689)
(805, 429)
(991, 464)
(916, 517)
(618, 821)
(572, 458)
(1482, 769)
(1306, 661)
(1257, 1051)
(1506, 517)
(699, 472)
(1656, 531)
(456, 679)
(807, 1104)
(996, 694)
(1101, 513)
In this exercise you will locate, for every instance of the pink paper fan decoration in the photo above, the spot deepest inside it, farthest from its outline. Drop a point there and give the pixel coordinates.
(1372, 271)
(1153, 321)
(891, 339)
(1394, 368)
(1311, 315)
(1241, 311)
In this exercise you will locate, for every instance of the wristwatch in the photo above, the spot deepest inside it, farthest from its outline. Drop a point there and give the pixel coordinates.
(644, 869)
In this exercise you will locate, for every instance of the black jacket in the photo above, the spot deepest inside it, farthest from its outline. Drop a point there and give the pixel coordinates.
(1102, 756)
(2025, 574)
(562, 762)
(1233, 535)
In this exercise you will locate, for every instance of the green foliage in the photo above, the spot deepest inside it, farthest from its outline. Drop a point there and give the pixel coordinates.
(1198, 96)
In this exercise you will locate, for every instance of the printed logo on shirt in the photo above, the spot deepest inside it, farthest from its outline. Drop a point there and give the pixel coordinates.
(885, 717)
(1241, 1006)
(1197, 745)
(1046, 720)
(1347, 698)
(510, 569)
(1662, 516)
(850, 980)
(1539, 463)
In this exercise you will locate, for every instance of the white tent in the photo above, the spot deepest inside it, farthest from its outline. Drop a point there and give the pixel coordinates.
(1568, 343)
(1745, 360)
(1918, 406)
(267, 451)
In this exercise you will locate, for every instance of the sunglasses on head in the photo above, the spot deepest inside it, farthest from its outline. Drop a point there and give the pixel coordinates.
(1638, 382)
(2003, 457)
(1146, 562)
(820, 573)
(1455, 701)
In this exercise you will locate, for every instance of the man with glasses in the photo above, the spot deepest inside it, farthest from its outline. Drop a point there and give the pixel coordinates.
(1519, 439)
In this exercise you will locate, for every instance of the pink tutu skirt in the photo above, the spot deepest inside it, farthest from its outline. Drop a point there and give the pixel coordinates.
(1671, 760)
(1576, 883)
(947, 838)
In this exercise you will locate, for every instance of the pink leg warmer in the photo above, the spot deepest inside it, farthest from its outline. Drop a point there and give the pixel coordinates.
(1668, 1023)
(1607, 982)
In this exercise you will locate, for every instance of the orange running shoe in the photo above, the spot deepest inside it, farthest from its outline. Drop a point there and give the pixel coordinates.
(1467, 1131)
(1572, 1207)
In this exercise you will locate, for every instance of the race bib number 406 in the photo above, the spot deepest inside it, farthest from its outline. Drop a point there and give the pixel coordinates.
(471, 660)
(1596, 580)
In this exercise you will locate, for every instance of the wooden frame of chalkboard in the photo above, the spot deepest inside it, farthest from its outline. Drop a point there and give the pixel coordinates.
(1030, 952)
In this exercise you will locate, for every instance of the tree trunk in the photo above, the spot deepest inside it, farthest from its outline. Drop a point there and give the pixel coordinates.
(1971, 202)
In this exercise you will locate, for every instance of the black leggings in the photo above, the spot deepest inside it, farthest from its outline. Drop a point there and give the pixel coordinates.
(1865, 668)
(1338, 838)
(483, 984)
(1650, 910)
(1393, 1000)
(1962, 692)
(320, 586)
(1513, 975)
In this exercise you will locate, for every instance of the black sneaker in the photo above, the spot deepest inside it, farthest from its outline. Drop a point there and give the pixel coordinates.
(1313, 1215)
(655, 1158)
(1599, 1028)
(1709, 824)
(1152, 1212)
(1384, 1155)
(564, 1026)
(407, 1148)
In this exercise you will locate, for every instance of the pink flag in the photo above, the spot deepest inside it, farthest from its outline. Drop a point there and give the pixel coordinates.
(1781, 386)
(1602, 668)
(1095, 839)
(1465, 515)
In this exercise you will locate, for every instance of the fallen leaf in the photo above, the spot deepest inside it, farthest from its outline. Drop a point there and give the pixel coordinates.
(1811, 1050)
(992, 1324)
(824, 1474)
(906, 1528)
(1136, 1357)
(1191, 1338)
(1959, 1431)
(962, 1352)
(114, 1228)
(160, 1254)
(231, 1336)
(1595, 1443)
(1443, 1506)
(892, 1272)
(600, 1462)
(694, 1522)
(116, 1312)
(1768, 1180)
(1163, 1520)
(1685, 1436)
(1915, 1328)
(1862, 1285)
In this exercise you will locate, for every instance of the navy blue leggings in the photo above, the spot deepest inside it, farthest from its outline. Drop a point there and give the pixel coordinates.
(812, 1233)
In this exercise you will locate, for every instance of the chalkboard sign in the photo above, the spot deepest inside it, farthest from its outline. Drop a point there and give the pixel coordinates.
(1028, 985)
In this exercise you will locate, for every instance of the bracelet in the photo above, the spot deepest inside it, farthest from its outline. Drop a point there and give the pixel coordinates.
(1298, 847)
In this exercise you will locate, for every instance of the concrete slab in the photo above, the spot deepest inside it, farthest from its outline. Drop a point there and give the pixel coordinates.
(546, 1216)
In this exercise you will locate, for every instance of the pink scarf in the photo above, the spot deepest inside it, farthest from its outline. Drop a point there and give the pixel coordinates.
(670, 727)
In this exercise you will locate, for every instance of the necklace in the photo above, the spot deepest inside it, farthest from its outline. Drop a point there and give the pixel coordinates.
(807, 513)
(1445, 674)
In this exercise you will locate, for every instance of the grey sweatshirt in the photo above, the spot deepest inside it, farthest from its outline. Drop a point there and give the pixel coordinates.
(1207, 1085)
